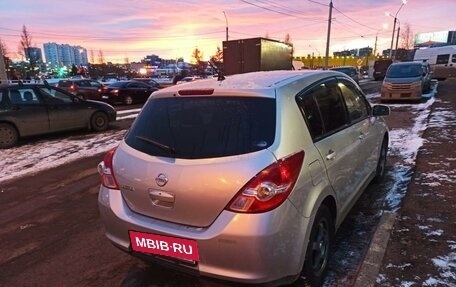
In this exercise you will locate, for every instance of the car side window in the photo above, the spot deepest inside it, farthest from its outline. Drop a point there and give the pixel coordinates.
(55, 96)
(324, 109)
(453, 58)
(29, 97)
(83, 83)
(15, 97)
(354, 101)
(443, 59)
(94, 84)
(331, 106)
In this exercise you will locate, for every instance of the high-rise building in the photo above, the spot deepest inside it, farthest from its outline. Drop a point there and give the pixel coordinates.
(58, 55)
(33, 54)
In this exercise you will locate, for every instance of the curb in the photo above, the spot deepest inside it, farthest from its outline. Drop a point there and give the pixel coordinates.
(368, 271)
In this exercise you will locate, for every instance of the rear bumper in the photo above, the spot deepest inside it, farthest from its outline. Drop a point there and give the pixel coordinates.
(247, 248)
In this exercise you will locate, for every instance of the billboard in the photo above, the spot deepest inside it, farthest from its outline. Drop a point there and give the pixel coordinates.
(431, 38)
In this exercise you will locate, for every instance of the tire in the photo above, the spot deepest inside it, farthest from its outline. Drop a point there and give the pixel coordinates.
(8, 136)
(318, 248)
(128, 100)
(99, 122)
(381, 163)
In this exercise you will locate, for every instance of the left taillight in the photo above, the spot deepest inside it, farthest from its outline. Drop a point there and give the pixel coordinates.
(106, 170)
(270, 187)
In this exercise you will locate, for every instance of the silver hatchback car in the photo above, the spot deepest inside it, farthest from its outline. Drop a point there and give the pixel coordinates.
(244, 179)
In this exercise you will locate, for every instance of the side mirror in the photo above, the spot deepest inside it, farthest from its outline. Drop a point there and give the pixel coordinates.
(380, 110)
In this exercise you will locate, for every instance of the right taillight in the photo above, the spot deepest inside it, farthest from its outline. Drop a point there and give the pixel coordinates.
(106, 170)
(270, 187)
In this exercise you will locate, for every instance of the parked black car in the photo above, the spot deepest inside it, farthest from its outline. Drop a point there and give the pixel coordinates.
(149, 82)
(36, 109)
(83, 88)
(127, 92)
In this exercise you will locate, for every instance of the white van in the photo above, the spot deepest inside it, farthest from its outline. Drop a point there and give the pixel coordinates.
(441, 59)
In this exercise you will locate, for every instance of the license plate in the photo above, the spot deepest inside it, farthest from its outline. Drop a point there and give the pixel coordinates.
(185, 249)
(104, 97)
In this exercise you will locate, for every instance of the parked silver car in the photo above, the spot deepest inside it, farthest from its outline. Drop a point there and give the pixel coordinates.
(244, 179)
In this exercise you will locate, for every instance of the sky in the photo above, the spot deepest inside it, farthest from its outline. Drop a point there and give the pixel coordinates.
(40, 155)
(172, 29)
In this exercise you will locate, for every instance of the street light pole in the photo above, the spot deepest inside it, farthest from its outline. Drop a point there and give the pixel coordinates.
(394, 26)
(392, 38)
(226, 25)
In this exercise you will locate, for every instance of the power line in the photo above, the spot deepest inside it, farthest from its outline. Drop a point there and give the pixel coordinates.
(318, 3)
(354, 20)
(277, 11)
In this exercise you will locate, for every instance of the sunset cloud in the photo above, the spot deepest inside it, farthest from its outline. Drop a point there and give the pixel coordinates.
(174, 29)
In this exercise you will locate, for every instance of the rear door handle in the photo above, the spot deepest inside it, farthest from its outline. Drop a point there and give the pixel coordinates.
(361, 136)
(331, 155)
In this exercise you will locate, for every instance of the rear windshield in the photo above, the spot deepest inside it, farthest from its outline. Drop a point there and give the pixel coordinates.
(203, 127)
(65, 84)
(403, 71)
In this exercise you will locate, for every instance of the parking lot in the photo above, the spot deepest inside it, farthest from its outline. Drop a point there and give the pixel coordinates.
(51, 232)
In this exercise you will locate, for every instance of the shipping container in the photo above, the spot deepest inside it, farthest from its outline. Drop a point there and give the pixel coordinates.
(256, 54)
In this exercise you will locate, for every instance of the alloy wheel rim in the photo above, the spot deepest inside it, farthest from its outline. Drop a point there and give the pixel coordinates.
(320, 247)
(100, 121)
(5, 135)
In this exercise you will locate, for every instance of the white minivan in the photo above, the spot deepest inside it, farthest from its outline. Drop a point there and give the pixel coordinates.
(441, 59)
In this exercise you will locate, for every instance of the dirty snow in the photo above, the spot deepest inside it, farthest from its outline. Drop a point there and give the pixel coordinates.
(443, 174)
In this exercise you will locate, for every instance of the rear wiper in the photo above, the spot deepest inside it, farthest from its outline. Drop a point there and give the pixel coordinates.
(168, 149)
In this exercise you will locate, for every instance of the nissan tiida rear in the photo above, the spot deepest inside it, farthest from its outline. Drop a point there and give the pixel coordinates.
(225, 179)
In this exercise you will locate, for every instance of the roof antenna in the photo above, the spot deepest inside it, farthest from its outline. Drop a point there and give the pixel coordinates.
(220, 76)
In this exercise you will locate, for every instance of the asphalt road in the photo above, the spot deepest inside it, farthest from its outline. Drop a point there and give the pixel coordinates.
(51, 234)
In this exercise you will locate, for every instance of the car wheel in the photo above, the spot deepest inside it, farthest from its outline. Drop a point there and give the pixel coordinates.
(8, 136)
(318, 248)
(381, 164)
(128, 100)
(99, 122)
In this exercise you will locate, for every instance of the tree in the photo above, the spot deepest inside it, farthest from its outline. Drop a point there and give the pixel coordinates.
(4, 48)
(287, 38)
(92, 57)
(4, 62)
(101, 58)
(197, 56)
(407, 37)
(25, 49)
(218, 57)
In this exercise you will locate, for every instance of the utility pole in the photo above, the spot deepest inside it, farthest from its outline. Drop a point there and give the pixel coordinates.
(392, 38)
(226, 25)
(375, 46)
(397, 39)
(3, 76)
(329, 33)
